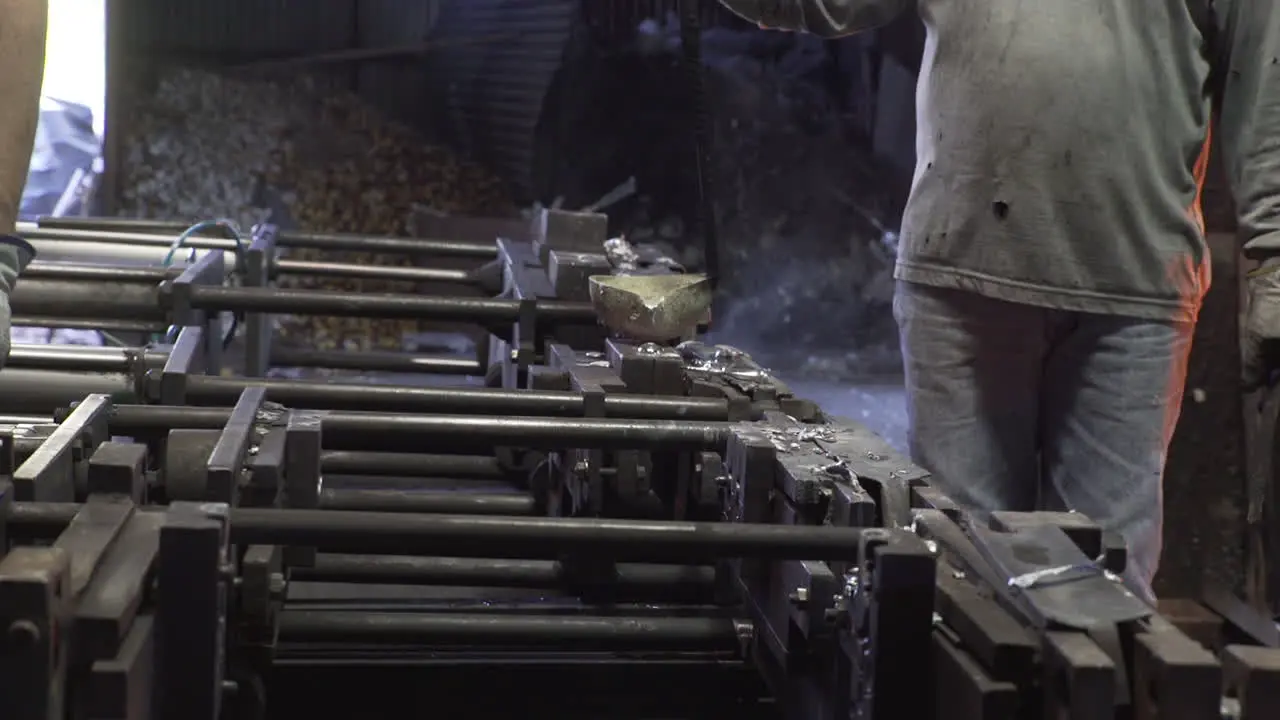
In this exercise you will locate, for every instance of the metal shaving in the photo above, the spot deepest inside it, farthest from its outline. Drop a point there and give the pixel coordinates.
(723, 362)
(271, 414)
(627, 258)
(1063, 573)
(620, 253)
(796, 436)
(799, 436)
(1026, 581)
(592, 359)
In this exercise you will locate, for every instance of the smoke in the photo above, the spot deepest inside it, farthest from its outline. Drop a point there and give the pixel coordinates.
(807, 249)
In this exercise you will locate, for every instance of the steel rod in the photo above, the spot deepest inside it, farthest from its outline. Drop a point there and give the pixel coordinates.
(25, 445)
(122, 235)
(417, 501)
(112, 224)
(117, 253)
(308, 394)
(131, 301)
(304, 394)
(554, 631)
(25, 391)
(23, 419)
(120, 326)
(372, 272)
(40, 520)
(384, 244)
(73, 358)
(383, 306)
(388, 362)
(163, 232)
(42, 270)
(448, 434)
(520, 537)
(463, 433)
(487, 572)
(147, 420)
(483, 467)
(335, 481)
(106, 359)
(499, 536)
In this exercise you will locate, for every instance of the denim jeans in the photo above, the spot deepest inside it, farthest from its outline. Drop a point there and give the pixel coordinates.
(1016, 407)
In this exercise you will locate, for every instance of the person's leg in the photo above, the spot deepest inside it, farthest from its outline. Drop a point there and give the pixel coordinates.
(973, 369)
(1113, 391)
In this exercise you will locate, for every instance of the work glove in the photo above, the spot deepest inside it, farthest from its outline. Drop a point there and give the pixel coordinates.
(1261, 326)
(15, 255)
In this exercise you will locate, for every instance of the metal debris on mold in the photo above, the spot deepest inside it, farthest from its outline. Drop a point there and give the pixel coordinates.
(724, 362)
(593, 359)
(622, 256)
(795, 437)
(628, 258)
(1065, 573)
(271, 414)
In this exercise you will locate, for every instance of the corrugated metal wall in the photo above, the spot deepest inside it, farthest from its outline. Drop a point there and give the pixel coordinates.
(490, 89)
(620, 18)
(239, 28)
(482, 87)
(399, 86)
(490, 92)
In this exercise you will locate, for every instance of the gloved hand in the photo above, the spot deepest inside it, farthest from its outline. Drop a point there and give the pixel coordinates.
(1260, 336)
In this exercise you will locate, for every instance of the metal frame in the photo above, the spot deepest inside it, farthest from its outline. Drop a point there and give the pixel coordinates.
(676, 505)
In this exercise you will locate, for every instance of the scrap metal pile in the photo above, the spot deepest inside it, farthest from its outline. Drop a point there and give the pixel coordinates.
(661, 522)
(264, 146)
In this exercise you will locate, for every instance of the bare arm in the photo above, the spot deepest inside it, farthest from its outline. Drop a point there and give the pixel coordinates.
(1249, 121)
(825, 18)
(23, 24)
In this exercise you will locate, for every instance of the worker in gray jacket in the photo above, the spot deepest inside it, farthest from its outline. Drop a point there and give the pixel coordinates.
(1052, 258)
(23, 26)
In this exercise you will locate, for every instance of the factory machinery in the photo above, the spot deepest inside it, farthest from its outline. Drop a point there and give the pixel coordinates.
(625, 523)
